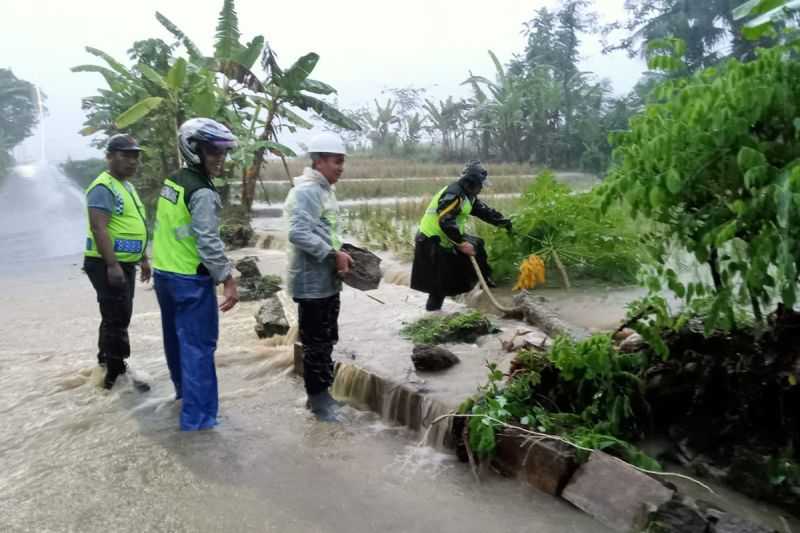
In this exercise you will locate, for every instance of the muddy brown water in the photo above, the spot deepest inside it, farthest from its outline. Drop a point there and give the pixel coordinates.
(77, 458)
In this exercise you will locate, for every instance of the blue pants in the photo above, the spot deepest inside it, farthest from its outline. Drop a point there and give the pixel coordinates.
(190, 322)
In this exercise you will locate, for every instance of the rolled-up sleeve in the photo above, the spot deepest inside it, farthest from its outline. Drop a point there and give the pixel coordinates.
(303, 217)
(205, 228)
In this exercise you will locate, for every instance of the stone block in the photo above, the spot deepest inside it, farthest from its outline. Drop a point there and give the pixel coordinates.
(615, 493)
(544, 464)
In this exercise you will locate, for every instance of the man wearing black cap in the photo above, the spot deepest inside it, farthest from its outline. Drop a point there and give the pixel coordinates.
(442, 249)
(116, 242)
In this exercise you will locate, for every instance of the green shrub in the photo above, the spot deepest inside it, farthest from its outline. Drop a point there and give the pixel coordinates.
(561, 225)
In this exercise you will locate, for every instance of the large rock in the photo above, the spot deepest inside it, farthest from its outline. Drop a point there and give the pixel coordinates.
(271, 320)
(677, 516)
(259, 288)
(236, 235)
(248, 267)
(685, 515)
(615, 493)
(365, 273)
(427, 357)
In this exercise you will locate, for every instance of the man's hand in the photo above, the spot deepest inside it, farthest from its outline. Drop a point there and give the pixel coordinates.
(343, 263)
(147, 272)
(466, 248)
(230, 295)
(116, 276)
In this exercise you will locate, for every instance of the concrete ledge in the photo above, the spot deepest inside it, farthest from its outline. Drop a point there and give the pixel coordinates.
(544, 464)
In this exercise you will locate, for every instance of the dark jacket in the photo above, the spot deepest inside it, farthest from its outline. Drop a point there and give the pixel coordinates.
(445, 271)
(457, 192)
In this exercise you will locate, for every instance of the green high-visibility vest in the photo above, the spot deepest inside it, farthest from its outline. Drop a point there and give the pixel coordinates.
(127, 226)
(174, 245)
(429, 225)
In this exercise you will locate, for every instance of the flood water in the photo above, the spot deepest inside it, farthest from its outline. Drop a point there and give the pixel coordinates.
(78, 458)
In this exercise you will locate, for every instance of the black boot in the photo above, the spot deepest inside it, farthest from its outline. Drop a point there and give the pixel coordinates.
(114, 368)
(434, 302)
(117, 367)
(325, 396)
(324, 407)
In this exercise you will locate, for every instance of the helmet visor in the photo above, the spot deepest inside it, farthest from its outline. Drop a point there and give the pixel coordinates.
(219, 147)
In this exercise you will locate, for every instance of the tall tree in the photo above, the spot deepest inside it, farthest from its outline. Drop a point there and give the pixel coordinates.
(18, 114)
(708, 28)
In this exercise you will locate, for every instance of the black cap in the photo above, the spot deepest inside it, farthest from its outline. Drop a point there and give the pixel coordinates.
(122, 142)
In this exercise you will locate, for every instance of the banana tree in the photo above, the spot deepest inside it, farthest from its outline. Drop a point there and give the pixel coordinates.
(412, 128)
(283, 91)
(381, 124)
(258, 110)
(444, 119)
(501, 110)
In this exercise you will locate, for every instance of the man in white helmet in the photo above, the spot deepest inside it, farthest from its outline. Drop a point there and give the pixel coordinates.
(316, 265)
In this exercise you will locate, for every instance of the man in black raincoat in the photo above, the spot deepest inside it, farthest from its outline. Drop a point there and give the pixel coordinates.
(442, 250)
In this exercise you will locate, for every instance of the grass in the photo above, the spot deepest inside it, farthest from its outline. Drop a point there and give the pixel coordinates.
(458, 327)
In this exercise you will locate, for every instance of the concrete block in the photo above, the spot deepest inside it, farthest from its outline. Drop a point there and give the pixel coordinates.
(544, 464)
(615, 493)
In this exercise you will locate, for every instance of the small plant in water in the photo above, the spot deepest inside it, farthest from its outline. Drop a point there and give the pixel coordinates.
(458, 327)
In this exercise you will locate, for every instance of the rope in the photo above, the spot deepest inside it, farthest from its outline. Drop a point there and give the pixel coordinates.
(488, 292)
(535, 435)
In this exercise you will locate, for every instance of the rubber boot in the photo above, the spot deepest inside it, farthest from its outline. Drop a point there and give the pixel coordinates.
(324, 407)
(117, 367)
(326, 396)
(114, 368)
(434, 302)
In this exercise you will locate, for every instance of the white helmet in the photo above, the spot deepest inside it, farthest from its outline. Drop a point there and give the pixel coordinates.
(327, 143)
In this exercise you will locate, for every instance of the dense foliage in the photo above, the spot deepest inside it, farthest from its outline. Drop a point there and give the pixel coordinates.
(715, 164)
(570, 233)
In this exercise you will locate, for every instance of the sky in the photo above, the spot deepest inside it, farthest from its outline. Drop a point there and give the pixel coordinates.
(365, 46)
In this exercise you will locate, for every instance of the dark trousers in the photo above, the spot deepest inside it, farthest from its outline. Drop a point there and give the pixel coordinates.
(441, 271)
(319, 331)
(116, 308)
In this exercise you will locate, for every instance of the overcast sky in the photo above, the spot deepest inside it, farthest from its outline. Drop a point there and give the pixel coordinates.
(365, 46)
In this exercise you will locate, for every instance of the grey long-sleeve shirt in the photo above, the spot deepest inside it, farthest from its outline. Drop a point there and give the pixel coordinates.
(205, 205)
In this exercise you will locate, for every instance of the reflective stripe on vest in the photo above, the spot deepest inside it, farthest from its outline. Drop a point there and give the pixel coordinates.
(126, 227)
(174, 246)
(429, 225)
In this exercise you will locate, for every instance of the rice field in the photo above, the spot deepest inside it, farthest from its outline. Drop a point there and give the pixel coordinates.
(368, 168)
(392, 226)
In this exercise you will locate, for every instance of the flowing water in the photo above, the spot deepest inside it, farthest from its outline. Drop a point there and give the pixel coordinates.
(78, 458)
(41, 214)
